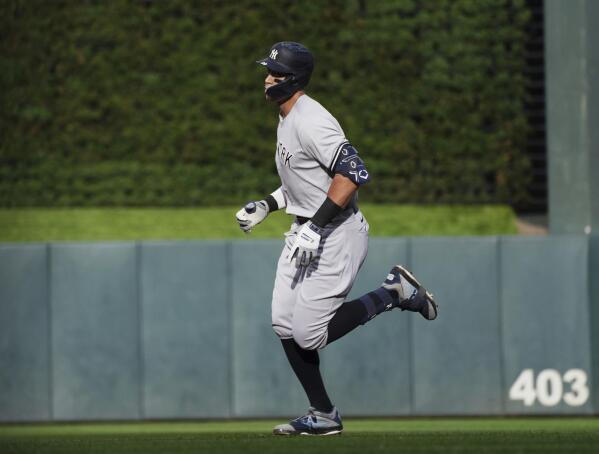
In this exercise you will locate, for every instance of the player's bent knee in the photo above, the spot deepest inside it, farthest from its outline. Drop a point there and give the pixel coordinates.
(282, 332)
(309, 340)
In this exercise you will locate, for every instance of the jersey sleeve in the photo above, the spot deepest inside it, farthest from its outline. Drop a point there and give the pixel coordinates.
(322, 138)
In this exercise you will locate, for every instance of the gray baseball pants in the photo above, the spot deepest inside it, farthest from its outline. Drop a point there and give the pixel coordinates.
(306, 298)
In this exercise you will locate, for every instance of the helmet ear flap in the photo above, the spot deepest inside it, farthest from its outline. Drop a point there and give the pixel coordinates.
(283, 90)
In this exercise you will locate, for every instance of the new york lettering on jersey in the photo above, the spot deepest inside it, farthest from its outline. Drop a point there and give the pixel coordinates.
(284, 155)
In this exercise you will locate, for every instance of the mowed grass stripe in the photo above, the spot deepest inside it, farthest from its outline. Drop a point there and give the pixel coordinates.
(390, 425)
(108, 224)
(497, 435)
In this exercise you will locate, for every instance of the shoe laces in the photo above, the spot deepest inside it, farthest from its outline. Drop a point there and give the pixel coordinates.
(308, 417)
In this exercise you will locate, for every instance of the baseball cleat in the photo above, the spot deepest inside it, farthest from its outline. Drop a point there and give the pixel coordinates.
(312, 423)
(412, 296)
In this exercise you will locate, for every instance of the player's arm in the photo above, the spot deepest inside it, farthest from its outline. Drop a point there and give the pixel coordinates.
(253, 213)
(342, 190)
(349, 174)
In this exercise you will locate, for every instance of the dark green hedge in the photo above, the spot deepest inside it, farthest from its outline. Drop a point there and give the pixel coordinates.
(160, 102)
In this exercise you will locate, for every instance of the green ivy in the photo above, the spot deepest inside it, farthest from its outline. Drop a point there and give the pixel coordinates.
(152, 103)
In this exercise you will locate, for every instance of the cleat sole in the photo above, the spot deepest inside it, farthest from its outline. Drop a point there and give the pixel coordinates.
(309, 434)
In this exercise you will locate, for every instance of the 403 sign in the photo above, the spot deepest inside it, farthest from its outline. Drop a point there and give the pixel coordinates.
(551, 387)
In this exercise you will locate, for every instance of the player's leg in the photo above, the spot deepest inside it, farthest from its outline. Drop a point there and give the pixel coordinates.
(400, 289)
(329, 281)
(322, 417)
(321, 291)
(306, 366)
(304, 363)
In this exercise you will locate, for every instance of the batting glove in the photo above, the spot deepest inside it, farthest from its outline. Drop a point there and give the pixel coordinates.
(251, 215)
(306, 244)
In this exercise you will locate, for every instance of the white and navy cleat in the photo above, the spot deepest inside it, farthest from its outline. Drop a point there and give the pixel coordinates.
(412, 296)
(312, 423)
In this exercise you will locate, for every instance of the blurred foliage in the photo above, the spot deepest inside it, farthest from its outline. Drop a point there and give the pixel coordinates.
(160, 103)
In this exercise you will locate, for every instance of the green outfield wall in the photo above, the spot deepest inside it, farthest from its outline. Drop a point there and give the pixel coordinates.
(572, 69)
(159, 330)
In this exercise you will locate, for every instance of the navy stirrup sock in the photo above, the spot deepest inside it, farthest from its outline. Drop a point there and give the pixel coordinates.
(306, 365)
(377, 301)
(357, 312)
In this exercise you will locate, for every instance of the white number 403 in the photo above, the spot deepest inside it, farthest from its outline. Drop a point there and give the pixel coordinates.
(548, 388)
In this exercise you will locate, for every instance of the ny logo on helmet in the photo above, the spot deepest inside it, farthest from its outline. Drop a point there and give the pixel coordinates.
(274, 54)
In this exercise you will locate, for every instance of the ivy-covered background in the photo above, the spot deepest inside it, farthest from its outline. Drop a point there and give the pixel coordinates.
(156, 103)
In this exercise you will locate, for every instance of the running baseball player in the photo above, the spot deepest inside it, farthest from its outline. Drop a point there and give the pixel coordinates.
(320, 174)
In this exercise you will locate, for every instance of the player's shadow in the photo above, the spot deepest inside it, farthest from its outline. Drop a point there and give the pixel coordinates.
(306, 271)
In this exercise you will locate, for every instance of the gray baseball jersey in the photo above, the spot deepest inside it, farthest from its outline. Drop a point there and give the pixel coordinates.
(309, 140)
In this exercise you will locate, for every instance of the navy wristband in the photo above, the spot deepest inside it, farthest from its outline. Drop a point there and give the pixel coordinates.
(272, 203)
(325, 214)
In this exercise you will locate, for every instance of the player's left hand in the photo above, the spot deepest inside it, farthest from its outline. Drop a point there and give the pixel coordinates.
(306, 244)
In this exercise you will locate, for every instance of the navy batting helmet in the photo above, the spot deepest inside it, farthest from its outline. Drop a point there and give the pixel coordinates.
(295, 61)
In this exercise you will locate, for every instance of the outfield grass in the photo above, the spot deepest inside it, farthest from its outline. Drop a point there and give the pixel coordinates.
(474, 435)
(30, 225)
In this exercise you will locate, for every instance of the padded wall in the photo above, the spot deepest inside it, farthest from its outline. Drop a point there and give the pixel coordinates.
(24, 333)
(93, 331)
(546, 320)
(185, 335)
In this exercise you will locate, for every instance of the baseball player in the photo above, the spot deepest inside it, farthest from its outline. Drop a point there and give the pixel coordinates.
(320, 174)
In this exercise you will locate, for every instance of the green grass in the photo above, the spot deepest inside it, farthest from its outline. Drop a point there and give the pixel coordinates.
(472, 435)
(86, 224)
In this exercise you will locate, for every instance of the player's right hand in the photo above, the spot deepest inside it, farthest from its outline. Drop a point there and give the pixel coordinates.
(251, 215)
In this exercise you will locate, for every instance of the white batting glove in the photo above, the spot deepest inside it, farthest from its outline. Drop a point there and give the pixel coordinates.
(306, 244)
(251, 215)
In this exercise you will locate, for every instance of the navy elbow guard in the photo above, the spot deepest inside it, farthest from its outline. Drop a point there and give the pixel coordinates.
(350, 165)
